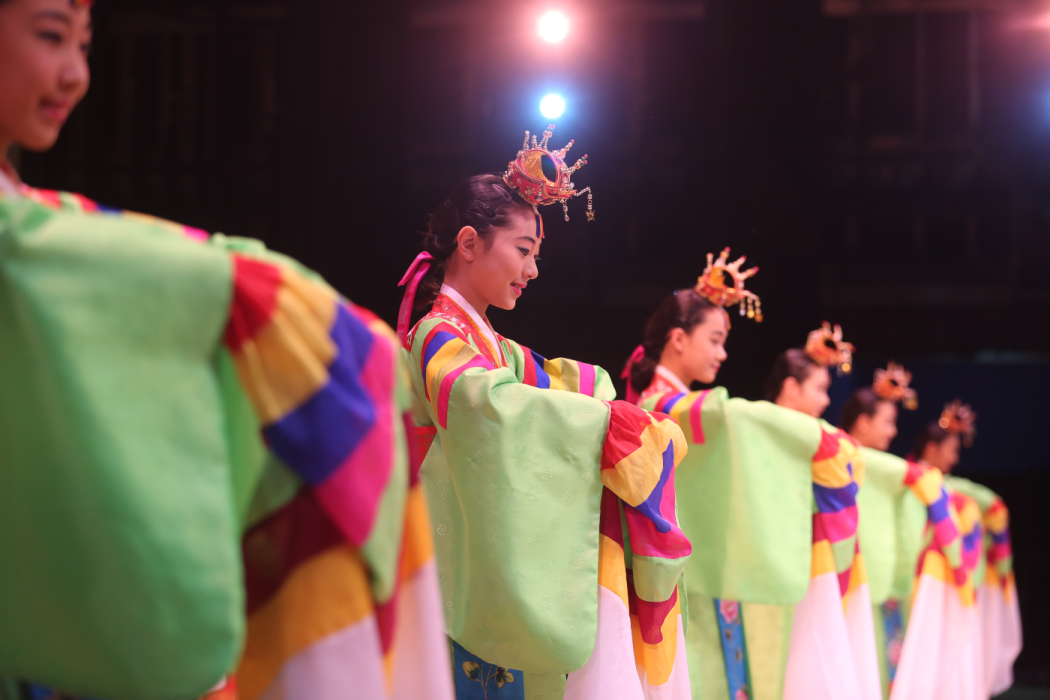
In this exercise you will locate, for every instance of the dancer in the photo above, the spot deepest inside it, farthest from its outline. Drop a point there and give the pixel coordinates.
(751, 562)
(173, 394)
(998, 639)
(891, 520)
(553, 505)
(870, 414)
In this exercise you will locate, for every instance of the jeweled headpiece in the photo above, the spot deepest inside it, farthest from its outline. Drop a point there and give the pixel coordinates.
(826, 347)
(525, 175)
(957, 417)
(891, 384)
(712, 285)
(82, 3)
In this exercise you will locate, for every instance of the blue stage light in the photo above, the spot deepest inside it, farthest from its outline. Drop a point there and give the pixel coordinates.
(552, 106)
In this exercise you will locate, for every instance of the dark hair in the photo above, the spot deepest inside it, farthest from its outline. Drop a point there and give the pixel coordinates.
(790, 363)
(933, 432)
(864, 402)
(483, 202)
(684, 309)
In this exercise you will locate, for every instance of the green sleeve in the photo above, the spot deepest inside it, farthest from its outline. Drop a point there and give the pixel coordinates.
(115, 501)
(892, 526)
(745, 497)
(878, 504)
(513, 486)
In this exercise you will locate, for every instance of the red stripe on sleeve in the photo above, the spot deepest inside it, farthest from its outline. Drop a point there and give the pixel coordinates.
(255, 286)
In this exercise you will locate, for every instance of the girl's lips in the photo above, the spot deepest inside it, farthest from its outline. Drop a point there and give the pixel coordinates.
(55, 111)
(518, 290)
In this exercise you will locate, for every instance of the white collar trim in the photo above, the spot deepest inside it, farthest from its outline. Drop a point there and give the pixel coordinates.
(672, 379)
(481, 323)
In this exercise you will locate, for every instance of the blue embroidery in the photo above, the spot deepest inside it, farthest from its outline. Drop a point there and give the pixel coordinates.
(734, 649)
(893, 623)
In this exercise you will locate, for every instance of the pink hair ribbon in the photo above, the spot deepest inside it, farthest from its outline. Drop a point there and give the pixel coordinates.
(632, 396)
(416, 271)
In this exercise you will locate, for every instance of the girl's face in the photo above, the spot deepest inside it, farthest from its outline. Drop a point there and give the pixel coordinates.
(43, 69)
(943, 455)
(810, 396)
(498, 269)
(877, 430)
(701, 353)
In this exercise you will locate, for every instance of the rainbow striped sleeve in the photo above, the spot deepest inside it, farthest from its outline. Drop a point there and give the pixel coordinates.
(639, 456)
(927, 483)
(446, 355)
(686, 409)
(567, 375)
(970, 527)
(322, 384)
(1000, 553)
(835, 488)
(326, 573)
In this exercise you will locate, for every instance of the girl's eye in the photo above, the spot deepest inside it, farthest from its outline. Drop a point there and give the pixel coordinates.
(523, 251)
(51, 37)
(537, 258)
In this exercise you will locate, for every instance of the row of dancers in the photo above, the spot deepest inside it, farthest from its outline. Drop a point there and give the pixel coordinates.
(222, 478)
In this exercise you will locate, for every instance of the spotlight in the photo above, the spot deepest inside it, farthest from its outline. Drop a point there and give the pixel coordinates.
(552, 106)
(553, 27)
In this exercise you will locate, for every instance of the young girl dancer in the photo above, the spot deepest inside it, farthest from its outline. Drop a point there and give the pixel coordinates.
(171, 396)
(553, 505)
(748, 487)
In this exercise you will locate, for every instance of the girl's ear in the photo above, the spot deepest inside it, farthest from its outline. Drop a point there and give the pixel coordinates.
(677, 339)
(468, 242)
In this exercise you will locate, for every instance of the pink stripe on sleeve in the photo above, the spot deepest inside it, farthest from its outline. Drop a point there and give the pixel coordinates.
(838, 526)
(587, 379)
(450, 379)
(351, 494)
(696, 423)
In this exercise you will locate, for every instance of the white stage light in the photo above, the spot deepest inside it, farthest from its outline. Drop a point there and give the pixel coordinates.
(553, 27)
(552, 106)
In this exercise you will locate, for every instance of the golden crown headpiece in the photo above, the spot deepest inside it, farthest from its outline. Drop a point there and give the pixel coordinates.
(712, 285)
(958, 417)
(826, 347)
(891, 384)
(525, 174)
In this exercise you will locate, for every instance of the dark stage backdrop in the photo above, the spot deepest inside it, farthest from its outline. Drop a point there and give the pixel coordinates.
(887, 170)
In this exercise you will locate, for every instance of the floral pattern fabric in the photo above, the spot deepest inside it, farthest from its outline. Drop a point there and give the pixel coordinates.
(734, 648)
(477, 679)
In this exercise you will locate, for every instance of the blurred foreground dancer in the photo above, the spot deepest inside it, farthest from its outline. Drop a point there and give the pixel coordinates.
(553, 505)
(206, 477)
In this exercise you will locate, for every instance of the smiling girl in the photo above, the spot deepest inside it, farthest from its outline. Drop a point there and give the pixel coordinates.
(44, 46)
(540, 485)
(205, 457)
(766, 494)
